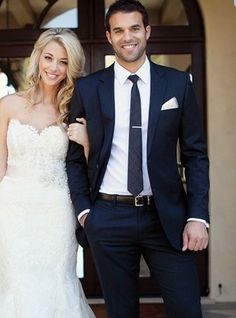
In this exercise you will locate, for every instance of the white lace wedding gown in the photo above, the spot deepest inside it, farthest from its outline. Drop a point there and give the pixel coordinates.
(37, 241)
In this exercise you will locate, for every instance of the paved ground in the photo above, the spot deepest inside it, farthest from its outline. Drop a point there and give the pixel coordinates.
(225, 310)
(154, 305)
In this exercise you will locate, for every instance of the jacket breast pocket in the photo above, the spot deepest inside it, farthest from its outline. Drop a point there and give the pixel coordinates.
(169, 121)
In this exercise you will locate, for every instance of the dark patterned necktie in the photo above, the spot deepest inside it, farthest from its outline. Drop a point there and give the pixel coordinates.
(135, 171)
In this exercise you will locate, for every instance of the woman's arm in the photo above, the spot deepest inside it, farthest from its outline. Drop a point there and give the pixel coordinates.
(77, 132)
(3, 137)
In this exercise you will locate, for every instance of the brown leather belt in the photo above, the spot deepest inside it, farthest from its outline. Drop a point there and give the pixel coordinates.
(145, 200)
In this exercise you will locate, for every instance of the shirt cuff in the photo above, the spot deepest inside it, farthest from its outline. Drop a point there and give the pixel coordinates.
(83, 213)
(199, 220)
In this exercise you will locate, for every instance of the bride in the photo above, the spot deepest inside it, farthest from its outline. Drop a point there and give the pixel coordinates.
(37, 224)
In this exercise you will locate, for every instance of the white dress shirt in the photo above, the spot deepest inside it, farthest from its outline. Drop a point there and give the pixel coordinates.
(116, 174)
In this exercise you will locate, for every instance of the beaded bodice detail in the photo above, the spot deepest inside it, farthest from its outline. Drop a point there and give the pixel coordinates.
(37, 155)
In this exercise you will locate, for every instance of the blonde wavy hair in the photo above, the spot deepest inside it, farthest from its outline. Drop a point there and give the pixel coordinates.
(75, 68)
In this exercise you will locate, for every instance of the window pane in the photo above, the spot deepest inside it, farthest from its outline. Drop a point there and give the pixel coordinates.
(6, 87)
(15, 70)
(109, 59)
(23, 14)
(162, 12)
(180, 61)
(62, 14)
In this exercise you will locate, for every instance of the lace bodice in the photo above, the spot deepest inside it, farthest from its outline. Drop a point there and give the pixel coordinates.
(38, 246)
(37, 155)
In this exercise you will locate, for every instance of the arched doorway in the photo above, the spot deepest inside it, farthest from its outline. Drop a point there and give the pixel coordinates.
(177, 40)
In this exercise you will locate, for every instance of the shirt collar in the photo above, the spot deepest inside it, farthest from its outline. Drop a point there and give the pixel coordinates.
(121, 74)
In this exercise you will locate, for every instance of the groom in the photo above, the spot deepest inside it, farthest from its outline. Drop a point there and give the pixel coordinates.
(129, 197)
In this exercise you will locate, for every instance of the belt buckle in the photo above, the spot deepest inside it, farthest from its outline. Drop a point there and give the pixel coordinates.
(136, 199)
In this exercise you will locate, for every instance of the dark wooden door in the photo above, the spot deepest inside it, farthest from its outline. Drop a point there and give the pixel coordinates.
(181, 45)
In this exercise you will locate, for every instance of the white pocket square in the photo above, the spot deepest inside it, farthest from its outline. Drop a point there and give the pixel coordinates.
(170, 104)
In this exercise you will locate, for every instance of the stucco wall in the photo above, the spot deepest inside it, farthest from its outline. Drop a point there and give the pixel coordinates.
(220, 27)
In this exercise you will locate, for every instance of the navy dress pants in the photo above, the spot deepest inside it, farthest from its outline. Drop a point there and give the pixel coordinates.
(118, 235)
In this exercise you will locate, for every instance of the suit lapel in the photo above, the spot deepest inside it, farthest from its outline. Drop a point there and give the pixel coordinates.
(107, 102)
(158, 84)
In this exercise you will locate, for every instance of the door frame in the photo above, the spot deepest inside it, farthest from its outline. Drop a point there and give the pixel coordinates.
(188, 39)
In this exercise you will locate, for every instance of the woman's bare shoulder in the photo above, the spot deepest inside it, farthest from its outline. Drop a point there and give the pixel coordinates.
(13, 102)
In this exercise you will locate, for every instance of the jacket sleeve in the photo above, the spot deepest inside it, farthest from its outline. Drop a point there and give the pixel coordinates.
(76, 165)
(194, 156)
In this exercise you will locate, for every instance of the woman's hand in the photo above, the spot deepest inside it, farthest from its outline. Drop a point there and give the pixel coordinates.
(77, 132)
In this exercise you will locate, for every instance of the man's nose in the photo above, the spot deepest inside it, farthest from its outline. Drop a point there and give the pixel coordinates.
(127, 36)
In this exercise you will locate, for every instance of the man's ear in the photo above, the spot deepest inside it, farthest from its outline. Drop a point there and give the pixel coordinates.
(148, 32)
(108, 35)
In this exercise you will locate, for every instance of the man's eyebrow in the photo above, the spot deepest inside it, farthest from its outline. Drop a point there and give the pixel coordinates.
(116, 28)
(132, 26)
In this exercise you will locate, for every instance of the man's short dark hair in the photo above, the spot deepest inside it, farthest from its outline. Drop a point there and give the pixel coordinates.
(126, 6)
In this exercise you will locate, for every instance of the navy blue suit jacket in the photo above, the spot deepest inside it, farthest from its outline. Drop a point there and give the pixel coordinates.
(94, 99)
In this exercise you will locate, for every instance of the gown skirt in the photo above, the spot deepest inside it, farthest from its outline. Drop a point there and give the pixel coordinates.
(38, 248)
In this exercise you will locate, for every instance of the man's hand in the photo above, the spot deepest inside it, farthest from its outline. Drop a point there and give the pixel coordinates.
(195, 236)
(82, 219)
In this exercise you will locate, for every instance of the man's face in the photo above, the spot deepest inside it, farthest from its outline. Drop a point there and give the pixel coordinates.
(128, 37)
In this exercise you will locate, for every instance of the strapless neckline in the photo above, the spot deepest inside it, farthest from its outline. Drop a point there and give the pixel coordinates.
(42, 151)
(34, 129)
